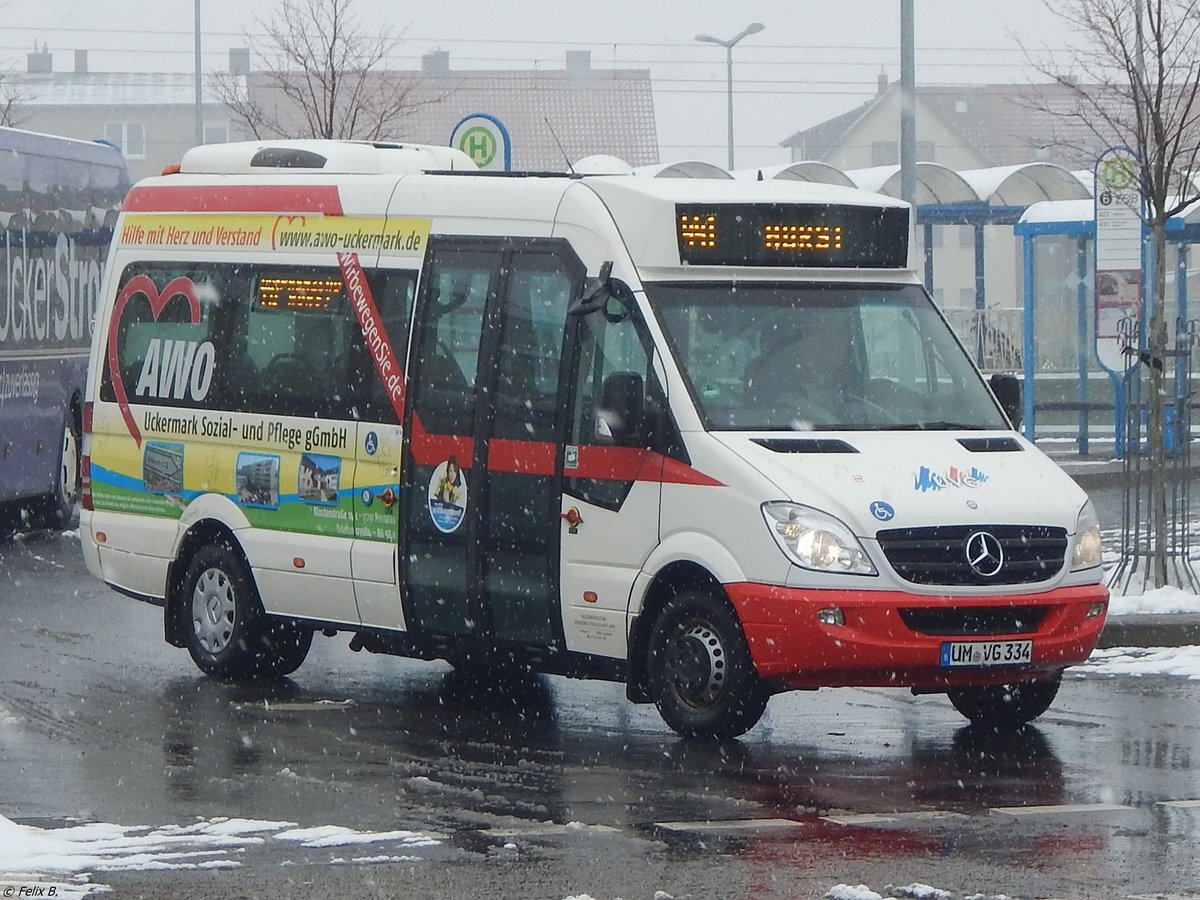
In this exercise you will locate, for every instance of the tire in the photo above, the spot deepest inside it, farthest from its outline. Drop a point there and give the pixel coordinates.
(1005, 705)
(699, 671)
(57, 509)
(225, 629)
(286, 646)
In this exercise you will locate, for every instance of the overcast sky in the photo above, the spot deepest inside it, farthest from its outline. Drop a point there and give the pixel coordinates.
(812, 61)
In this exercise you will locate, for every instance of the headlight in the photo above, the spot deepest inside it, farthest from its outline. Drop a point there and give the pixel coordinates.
(816, 540)
(1087, 539)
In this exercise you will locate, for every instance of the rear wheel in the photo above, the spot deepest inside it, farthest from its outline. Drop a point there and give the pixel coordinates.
(699, 670)
(1005, 705)
(226, 631)
(285, 647)
(57, 509)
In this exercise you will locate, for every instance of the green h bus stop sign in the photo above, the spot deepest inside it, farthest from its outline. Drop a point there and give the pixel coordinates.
(485, 139)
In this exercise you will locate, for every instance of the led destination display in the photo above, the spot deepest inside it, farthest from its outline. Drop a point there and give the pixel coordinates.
(778, 234)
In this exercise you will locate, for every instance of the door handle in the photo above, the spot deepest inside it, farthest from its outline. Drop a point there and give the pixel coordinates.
(573, 519)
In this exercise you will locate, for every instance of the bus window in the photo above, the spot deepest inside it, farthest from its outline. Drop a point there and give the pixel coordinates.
(289, 337)
(393, 293)
(450, 341)
(539, 291)
(609, 351)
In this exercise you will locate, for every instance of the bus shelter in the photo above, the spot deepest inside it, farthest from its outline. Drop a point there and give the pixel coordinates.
(1052, 233)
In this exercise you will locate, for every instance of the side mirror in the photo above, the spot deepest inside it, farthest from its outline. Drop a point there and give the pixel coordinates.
(1007, 388)
(621, 416)
(596, 292)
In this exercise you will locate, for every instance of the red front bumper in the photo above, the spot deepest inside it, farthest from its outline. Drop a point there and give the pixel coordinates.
(875, 646)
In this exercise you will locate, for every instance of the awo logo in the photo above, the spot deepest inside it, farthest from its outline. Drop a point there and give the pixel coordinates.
(173, 369)
(177, 370)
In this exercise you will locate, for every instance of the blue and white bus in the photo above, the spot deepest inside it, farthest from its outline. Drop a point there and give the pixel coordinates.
(59, 199)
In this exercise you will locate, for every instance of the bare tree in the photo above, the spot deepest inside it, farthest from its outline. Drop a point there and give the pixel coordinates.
(11, 98)
(323, 76)
(1136, 82)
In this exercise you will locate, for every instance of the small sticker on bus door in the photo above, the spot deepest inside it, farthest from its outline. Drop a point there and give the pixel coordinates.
(448, 496)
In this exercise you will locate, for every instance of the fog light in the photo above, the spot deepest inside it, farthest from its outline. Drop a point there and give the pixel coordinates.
(831, 616)
(1096, 609)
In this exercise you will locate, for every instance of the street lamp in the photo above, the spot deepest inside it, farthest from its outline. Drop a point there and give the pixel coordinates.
(752, 28)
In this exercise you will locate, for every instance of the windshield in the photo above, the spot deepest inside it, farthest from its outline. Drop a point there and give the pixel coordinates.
(784, 357)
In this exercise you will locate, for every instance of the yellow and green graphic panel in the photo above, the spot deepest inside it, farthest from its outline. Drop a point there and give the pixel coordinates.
(285, 474)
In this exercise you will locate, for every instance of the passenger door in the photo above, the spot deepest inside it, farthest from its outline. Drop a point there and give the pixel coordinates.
(482, 475)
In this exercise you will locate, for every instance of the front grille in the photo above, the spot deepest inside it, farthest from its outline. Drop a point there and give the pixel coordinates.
(975, 620)
(938, 555)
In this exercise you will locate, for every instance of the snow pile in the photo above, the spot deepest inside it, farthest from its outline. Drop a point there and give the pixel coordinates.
(105, 848)
(1183, 662)
(918, 891)
(337, 836)
(914, 891)
(1163, 601)
(846, 892)
(28, 852)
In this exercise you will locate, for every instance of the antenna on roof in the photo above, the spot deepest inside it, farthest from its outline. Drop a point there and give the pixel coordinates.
(566, 159)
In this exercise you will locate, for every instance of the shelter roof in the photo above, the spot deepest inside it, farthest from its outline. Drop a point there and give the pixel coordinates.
(934, 183)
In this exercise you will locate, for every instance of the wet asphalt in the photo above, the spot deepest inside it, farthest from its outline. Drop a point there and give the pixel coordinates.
(543, 787)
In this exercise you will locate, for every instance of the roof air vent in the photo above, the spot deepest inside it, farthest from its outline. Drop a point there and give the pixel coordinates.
(287, 158)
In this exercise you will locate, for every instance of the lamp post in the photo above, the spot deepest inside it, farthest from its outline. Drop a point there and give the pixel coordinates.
(198, 137)
(752, 28)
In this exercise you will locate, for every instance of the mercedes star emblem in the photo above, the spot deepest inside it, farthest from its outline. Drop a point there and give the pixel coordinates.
(985, 556)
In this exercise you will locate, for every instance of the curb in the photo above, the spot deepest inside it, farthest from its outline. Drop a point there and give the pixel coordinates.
(1150, 630)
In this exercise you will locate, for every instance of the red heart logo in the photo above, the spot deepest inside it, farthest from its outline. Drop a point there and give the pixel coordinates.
(142, 284)
(280, 221)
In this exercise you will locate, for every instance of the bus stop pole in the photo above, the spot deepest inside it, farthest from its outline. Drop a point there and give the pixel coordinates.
(1027, 332)
(1081, 296)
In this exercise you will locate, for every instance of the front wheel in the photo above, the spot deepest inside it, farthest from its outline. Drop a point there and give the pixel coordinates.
(1005, 705)
(699, 670)
(227, 633)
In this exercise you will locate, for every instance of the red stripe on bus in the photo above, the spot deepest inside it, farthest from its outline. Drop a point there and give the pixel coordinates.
(538, 457)
(521, 457)
(634, 464)
(432, 449)
(235, 198)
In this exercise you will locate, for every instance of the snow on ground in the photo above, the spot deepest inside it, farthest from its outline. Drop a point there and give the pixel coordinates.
(1182, 662)
(29, 854)
(1164, 600)
(914, 891)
